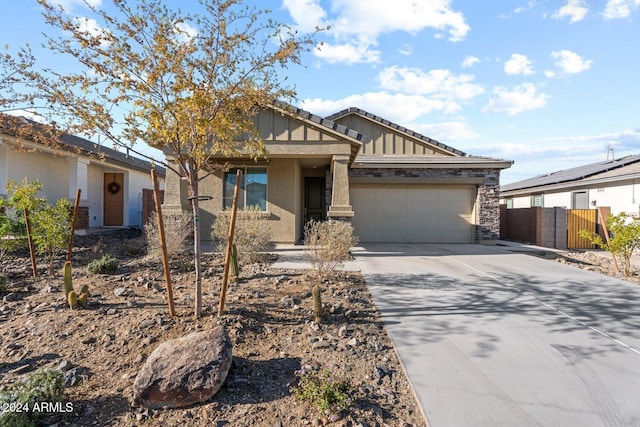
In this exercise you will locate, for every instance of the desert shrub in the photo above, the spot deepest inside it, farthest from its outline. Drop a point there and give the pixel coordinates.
(625, 230)
(327, 245)
(105, 265)
(44, 385)
(251, 236)
(178, 229)
(329, 396)
(52, 230)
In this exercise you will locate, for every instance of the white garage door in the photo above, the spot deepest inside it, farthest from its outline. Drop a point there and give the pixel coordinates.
(413, 213)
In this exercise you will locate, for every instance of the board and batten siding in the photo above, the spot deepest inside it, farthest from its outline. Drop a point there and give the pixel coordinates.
(379, 139)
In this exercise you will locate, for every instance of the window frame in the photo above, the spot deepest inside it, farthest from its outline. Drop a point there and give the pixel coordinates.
(242, 205)
(533, 200)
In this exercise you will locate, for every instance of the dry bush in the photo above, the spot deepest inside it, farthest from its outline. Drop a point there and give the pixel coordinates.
(251, 236)
(178, 229)
(327, 245)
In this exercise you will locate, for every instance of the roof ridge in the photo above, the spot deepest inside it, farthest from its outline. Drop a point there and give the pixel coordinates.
(396, 126)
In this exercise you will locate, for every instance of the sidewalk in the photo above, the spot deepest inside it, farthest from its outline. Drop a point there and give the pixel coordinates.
(292, 257)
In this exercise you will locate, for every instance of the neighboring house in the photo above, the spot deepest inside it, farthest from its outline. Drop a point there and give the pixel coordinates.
(394, 184)
(112, 182)
(611, 183)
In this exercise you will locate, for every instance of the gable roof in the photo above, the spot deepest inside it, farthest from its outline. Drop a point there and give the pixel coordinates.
(397, 127)
(84, 147)
(605, 169)
(353, 137)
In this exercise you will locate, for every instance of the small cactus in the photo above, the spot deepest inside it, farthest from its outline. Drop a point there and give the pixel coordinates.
(71, 296)
(235, 268)
(68, 285)
(318, 310)
(72, 299)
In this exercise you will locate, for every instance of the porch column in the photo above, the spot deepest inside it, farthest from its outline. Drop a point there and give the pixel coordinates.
(340, 204)
(78, 177)
(176, 199)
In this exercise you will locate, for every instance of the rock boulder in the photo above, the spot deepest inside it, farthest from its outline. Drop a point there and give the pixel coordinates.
(184, 371)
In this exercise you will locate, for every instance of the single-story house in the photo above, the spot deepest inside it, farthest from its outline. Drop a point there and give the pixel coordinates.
(394, 184)
(611, 183)
(111, 182)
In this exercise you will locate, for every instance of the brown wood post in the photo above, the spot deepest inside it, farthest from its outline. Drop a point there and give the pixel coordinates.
(227, 255)
(32, 250)
(73, 224)
(606, 237)
(163, 244)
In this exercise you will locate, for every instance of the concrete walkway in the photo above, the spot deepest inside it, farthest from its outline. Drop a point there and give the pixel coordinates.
(292, 257)
(489, 337)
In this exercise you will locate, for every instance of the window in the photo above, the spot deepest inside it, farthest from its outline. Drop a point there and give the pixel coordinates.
(536, 200)
(580, 200)
(509, 201)
(253, 189)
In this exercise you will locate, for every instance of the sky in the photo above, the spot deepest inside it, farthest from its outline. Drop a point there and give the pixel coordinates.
(548, 84)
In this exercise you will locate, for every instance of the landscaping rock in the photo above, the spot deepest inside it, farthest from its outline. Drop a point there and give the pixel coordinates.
(184, 371)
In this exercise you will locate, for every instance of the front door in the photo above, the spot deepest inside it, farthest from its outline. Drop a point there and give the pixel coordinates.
(113, 190)
(314, 199)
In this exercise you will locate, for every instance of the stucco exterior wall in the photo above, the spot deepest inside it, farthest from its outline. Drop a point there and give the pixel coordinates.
(283, 200)
(63, 174)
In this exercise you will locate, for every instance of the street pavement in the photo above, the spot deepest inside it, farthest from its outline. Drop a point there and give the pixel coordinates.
(490, 337)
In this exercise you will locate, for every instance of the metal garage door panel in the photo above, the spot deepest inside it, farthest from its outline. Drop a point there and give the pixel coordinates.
(438, 214)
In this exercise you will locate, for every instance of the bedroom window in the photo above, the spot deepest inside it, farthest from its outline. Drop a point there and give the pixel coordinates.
(253, 188)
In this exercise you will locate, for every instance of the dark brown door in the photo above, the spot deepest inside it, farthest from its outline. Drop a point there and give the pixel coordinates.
(314, 199)
(113, 190)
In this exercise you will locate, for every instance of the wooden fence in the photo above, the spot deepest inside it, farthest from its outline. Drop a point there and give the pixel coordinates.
(577, 220)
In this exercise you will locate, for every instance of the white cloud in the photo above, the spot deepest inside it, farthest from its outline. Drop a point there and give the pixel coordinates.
(469, 61)
(69, 5)
(438, 83)
(406, 50)
(90, 28)
(347, 53)
(574, 9)
(308, 14)
(445, 131)
(397, 107)
(570, 62)
(616, 9)
(521, 98)
(353, 24)
(185, 32)
(530, 5)
(518, 64)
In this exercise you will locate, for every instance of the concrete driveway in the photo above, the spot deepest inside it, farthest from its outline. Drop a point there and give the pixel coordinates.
(494, 338)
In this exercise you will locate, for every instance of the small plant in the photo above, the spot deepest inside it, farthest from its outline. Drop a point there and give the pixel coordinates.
(178, 229)
(318, 309)
(330, 397)
(74, 299)
(327, 245)
(105, 265)
(52, 229)
(251, 236)
(626, 239)
(3, 284)
(27, 398)
(235, 268)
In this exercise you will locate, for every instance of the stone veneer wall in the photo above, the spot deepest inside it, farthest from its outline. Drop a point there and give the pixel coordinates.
(487, 200)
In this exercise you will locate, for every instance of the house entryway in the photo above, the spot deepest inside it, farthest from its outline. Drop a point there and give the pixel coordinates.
(113, 190)
(314, 199)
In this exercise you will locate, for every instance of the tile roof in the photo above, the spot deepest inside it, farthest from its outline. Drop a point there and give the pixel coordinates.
(419, 136)
(409, 160)
(592, 170)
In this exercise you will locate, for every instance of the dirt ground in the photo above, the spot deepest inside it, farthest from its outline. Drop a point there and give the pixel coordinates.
(268, 316)
(596, 261)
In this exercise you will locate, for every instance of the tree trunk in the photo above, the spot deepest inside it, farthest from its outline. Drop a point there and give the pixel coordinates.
(196, 246)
